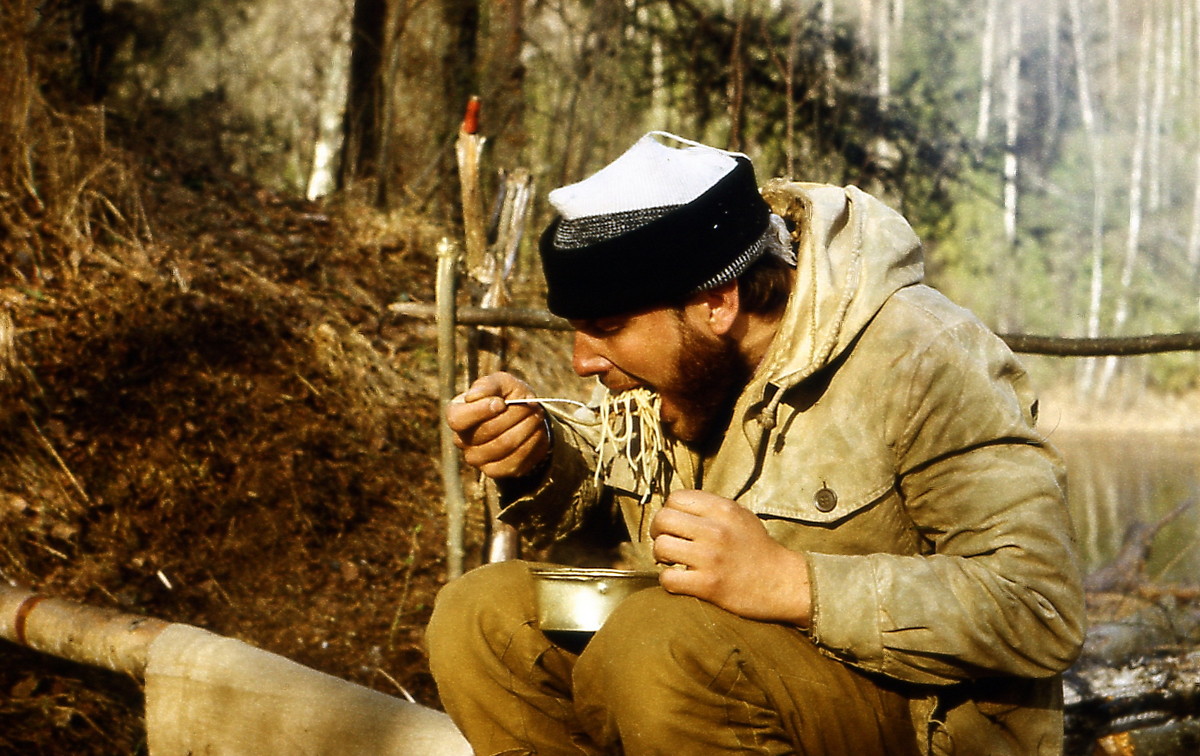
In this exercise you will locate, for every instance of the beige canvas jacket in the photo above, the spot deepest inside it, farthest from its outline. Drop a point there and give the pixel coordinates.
(889, 436)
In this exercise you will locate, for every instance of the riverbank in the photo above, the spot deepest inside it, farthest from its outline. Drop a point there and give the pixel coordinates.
(1063, 410)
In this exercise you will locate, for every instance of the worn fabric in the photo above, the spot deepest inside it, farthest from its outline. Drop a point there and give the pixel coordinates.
(890, 437)
(666, 676)
(208, 694)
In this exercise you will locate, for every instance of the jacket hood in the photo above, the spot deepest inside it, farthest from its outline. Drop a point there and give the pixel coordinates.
(853, 253)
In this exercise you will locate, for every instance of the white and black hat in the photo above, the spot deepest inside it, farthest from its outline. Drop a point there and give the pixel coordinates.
(655, 225)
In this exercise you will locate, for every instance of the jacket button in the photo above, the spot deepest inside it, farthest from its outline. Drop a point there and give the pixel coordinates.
(825, 500)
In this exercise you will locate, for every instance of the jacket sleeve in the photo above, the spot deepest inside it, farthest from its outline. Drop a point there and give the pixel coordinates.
(999, 590)
(553, 503)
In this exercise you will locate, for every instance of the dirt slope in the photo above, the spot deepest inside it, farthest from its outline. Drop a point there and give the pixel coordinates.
(209, 416)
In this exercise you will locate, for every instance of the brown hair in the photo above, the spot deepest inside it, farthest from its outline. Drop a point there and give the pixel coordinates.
(764, 287)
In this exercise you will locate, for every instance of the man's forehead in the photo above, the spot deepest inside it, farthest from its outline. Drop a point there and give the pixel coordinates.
(609, 322)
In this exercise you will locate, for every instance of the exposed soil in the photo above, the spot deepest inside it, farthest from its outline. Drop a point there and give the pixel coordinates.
(210, 417)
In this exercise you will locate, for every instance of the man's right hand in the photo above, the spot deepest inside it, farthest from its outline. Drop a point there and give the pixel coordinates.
(501, 440)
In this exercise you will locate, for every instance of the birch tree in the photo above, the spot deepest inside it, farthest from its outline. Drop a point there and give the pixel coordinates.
(1136, 176)
(1157, 105)
(1088, 117)
(883, 44)
(986, 68)
(1012, 124)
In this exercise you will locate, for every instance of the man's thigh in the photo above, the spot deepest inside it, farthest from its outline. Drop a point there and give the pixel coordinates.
(674, 674)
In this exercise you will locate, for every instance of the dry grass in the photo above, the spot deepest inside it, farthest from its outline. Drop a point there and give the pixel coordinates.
(206, 412)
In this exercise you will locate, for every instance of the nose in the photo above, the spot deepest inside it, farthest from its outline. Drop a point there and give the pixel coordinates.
(587, 359)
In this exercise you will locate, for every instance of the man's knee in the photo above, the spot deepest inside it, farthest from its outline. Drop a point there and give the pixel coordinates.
(650, 636)
(486, 601)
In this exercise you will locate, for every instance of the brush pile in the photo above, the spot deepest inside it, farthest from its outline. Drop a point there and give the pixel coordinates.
(206, 413)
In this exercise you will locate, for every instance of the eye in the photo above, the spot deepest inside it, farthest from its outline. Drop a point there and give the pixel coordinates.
(601, 327)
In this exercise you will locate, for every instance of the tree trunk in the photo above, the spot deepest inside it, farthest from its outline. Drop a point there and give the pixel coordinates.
(1154, 201)
(1193, 251)
(829, 57)
(331, 111)
(1088, 115)
(361, 124)
(1012, 122)
(737, 79)
(883, 26)
(986, 66)
(1136, 178)
(1054, 53)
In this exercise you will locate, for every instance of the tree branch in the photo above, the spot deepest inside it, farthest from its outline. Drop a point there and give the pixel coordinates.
(1056, 346)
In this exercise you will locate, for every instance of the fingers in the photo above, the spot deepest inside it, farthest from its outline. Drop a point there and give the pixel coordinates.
(511, 433)
(500, 439)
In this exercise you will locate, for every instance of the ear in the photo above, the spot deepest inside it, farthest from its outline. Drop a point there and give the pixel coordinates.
(716, 308)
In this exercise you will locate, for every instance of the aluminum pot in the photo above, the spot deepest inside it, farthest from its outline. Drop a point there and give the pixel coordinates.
(579, 599)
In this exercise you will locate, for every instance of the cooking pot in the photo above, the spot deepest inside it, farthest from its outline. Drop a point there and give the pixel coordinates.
(579, 599)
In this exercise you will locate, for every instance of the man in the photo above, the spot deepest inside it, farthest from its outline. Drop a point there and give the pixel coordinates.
(869, 544)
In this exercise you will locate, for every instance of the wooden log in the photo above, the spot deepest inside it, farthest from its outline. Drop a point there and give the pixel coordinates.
(1180, 737)
(1055, 346)
(104, 638)
(1064, 346)
(1164, 683)
(491, 316)
(447, 319)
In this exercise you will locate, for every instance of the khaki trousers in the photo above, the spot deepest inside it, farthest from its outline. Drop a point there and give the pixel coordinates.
(665, 675)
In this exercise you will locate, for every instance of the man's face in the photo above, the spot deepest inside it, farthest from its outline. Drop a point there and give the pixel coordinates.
(697, 373)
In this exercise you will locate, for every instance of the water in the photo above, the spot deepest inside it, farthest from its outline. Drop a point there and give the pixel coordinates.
(1118, 479)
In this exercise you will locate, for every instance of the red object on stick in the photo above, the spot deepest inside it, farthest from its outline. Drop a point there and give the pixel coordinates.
(470, 123)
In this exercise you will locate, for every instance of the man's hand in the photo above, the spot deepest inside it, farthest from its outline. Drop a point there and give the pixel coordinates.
(502, 440)
(730, 558)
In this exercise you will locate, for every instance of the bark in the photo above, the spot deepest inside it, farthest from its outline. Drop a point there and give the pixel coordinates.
(790, 92)
(737, 80)
(1012, 124)
(88, 635)
(1088, 115)
(829, 58)
(883, 25)
(1058, 346)
(361, 124)
(1136, 178)
(1193, 253)
(1158, 103)
(986, 67)
(1054, 53)
(330, 114)
(452, 483)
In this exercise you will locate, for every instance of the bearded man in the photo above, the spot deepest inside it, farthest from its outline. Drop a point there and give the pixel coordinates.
(869, 542)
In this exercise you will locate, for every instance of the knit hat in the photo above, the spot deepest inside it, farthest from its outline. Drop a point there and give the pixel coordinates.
(655, 225)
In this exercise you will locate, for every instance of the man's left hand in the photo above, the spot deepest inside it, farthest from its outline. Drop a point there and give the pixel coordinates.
(730, 559)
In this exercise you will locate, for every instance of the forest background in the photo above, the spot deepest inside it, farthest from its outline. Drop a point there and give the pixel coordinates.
(209, 413)
(1047, 152)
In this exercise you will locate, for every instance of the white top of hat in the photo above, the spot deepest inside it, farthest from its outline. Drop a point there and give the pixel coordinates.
(649, 174)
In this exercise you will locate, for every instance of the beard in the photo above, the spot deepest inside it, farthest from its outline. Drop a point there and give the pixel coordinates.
(709, 375)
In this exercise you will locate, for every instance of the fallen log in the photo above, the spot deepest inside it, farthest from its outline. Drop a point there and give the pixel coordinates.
(1147, 707)
(210, 694)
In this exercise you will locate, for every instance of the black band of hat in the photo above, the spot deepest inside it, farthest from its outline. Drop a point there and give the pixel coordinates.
(661, 261)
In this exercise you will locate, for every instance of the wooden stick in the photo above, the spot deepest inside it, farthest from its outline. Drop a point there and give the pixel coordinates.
(447, 320)
(490, 316)
(468, 150)
(104, 638)
(1057, 346)
(1062, 346)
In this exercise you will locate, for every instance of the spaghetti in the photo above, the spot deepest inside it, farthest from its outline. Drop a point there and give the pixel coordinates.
(630, 429)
